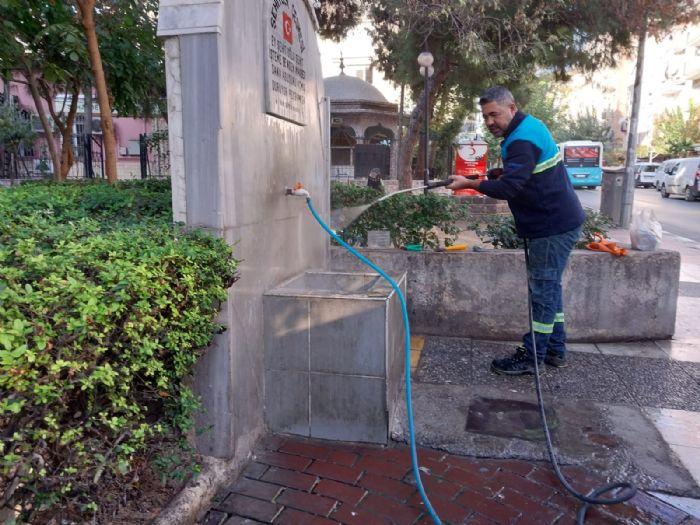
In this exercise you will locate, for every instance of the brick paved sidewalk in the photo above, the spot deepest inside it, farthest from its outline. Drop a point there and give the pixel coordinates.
(294, 481)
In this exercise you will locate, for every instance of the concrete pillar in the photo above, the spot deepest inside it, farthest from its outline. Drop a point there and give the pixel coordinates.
(243, 128)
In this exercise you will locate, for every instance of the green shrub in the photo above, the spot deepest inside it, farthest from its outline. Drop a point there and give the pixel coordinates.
(348, 195)
(410, 219)
(100, 321)
(499, 230)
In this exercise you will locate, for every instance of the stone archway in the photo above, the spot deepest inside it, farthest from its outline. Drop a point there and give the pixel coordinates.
(343, 144)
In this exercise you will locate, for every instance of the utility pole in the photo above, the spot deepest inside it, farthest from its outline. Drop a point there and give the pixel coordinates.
(631, 157)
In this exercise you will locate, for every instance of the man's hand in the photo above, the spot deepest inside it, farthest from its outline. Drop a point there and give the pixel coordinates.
(460, 183)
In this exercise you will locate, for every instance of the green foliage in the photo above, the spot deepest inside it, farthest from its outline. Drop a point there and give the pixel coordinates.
(587, 126)
(540, 99)
(105, 307)
(336, 18)
(348, 195)
(595, 222)
(410, 219)
(133, 56)
(15, 130)
(500, 232)
(675, 131)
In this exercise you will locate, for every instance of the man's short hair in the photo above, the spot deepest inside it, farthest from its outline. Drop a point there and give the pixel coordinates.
(497, 94)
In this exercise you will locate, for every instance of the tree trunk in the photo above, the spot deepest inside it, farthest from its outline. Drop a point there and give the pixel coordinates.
(87, 19)
(631, 156)
(415, 125)
(51, 143)
(67, 157)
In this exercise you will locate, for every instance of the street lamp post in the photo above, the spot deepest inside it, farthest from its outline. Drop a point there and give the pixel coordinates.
(425, 61)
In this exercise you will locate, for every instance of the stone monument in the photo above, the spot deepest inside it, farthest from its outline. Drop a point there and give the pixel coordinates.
(247, 117)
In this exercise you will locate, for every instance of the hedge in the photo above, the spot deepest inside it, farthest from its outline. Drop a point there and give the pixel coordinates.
(105, 307)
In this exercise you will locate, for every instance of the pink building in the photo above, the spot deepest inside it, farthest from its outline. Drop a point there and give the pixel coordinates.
(36, 160)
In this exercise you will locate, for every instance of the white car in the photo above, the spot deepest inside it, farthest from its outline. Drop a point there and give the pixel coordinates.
(645, 174)
(661, 172)
(682, 177)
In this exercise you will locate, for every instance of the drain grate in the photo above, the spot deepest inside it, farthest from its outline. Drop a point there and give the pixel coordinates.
(508, 418)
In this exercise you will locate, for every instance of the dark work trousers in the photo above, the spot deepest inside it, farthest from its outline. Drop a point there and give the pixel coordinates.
(548, 257)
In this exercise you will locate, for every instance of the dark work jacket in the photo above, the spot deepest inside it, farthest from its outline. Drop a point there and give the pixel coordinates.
(534, 181)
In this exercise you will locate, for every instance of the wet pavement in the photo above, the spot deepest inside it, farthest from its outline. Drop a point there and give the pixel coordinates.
(298, 481)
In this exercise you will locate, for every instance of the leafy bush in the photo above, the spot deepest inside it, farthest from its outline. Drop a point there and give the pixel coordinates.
(499, 230)
(410, 219)
(348, 195)
(100, 321)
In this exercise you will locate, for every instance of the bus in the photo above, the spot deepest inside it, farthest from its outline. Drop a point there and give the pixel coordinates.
(583, 160)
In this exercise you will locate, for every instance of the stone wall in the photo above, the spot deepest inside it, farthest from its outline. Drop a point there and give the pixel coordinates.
(484, 295)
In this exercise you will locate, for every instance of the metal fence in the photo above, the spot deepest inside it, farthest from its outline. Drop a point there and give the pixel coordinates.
(154, 154)
(88, 154)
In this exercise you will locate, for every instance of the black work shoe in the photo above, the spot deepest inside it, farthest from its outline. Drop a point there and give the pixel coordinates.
(555, 360)
(520, 363)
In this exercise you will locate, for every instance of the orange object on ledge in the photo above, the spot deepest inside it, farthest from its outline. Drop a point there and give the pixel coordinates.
(601, 245)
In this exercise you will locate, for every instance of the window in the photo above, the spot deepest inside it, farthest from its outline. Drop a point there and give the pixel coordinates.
(133, 147)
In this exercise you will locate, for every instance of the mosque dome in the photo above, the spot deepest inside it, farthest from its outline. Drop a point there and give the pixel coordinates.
(343, 88)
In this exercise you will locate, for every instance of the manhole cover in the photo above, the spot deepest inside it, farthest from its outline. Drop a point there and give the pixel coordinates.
(508, 418)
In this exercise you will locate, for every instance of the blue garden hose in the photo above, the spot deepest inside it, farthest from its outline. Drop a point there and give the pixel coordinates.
(407, 339)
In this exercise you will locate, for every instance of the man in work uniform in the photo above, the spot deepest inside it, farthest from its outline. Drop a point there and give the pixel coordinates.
(547, 213)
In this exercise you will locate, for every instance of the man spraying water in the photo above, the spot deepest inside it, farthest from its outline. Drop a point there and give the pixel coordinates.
(548, 215)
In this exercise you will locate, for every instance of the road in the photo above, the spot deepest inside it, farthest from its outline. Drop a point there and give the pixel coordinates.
(677, 217)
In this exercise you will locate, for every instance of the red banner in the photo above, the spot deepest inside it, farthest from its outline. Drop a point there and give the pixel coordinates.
(470, 159)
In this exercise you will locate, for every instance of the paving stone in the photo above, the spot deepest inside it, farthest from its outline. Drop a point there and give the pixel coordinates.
(657, 383)
(396, 512)
(445, 360)
(436, 485)
(238, 520)
(490, 508)
(279, 459)
(296, 517)
(341, 457)
(309, 450)
(448, 511)
(312, 503)
(339, 491)
(256, 489)
(289, 478)
(389, 487)
(389, 469)
(590, 377)
(335, 472)
(247, 507)
(214, 517)
(255, 470)
(350, 515)
(534, 510)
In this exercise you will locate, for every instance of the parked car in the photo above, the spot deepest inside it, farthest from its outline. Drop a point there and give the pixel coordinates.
(682, 177)
(661, 172)
(645, 174)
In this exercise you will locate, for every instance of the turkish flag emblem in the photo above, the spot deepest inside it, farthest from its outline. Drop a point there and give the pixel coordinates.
(287, 27)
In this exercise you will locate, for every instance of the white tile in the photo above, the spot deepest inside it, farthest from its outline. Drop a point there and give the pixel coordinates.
(688, 505)
(680, 351)
(690, 457)
(588, 348)
(678, 427)
(635, 349)
(687, 330)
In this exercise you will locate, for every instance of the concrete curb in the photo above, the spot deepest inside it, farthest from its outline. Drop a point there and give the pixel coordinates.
(195, 499)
